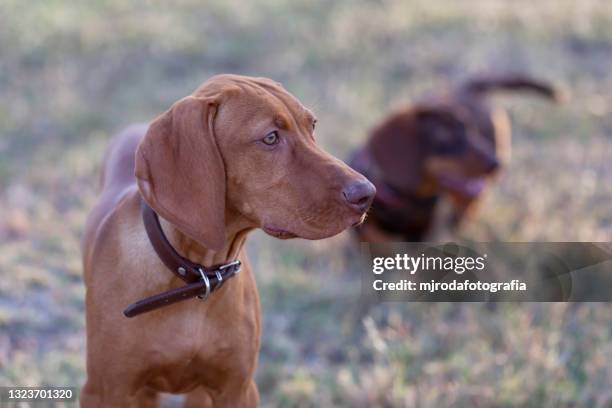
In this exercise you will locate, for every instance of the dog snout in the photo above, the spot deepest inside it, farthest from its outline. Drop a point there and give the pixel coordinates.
(359, 194)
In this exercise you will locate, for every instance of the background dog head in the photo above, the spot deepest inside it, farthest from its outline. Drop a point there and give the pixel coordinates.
(426, 149)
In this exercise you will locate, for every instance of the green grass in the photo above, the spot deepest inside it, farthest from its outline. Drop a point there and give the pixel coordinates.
(73, 73)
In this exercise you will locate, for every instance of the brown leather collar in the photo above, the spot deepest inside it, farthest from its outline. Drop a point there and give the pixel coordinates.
(201, 281)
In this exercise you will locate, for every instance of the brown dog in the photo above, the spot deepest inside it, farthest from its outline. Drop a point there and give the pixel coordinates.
(237, 154)
(446, 146)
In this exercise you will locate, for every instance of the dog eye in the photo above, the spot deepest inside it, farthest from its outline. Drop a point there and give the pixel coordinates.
(271, 138)
(314, 124)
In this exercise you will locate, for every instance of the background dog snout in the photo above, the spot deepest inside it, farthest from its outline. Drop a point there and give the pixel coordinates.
(359, 194)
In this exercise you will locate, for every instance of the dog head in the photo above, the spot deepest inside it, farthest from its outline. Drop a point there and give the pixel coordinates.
(244, 147)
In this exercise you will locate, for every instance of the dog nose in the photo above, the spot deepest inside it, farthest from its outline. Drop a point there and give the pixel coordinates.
(359, 194)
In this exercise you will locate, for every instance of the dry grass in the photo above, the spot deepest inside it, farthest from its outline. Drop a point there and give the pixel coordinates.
(72, 74)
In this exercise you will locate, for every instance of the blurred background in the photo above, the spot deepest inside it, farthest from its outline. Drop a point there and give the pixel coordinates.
(72, 73)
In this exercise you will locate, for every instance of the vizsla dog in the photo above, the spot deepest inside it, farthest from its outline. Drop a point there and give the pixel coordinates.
(449, 146)
(178, 200)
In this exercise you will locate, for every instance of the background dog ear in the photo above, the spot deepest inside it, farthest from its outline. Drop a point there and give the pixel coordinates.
(441, 116)
(443, 128)
(180, 171)
(396, 149)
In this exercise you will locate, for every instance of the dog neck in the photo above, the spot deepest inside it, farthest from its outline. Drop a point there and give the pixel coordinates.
(236, 233)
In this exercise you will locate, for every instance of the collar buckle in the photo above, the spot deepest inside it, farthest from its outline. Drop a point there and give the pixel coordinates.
(206, 281)
(235, 268)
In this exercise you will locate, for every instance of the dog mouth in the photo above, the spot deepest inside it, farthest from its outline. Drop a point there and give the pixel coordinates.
(469, 186)
(317, 233)
(361, 220)
(278, 232)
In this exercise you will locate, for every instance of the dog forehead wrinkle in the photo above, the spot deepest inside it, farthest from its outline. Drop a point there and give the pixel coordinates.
(280, 122)
(256, 101)
(288, 106)
(284, 116)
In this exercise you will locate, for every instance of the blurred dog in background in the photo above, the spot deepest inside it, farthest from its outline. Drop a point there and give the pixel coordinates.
(448, 146)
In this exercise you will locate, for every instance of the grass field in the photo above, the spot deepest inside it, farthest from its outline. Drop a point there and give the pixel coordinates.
(72, 73)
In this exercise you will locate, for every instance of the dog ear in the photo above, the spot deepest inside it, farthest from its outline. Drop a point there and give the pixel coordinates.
(180, 171)
(441, 116)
